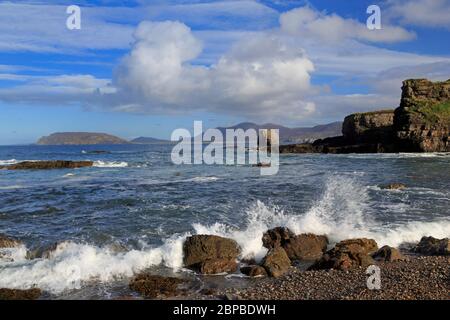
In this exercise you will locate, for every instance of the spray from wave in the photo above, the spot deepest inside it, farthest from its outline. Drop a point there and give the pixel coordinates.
(110, 164)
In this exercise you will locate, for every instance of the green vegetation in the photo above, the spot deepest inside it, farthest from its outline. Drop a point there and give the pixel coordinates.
(433, 113)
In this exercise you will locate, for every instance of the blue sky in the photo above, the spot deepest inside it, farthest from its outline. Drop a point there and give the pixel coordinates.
(145, 68)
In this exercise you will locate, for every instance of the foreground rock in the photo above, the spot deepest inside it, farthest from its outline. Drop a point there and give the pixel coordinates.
(45, 165)
(420, 124)
(254, 271)
(16, 294)
(388, 254)
(394, 186)
(151, 286)
(433, 247)
(348, 254)
(210, 254)
(276, 262)
(8, 242)
(298, 247)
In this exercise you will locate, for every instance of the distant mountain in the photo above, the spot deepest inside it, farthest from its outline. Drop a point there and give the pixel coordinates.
(148, 140)
(80, 138)
(294, 135)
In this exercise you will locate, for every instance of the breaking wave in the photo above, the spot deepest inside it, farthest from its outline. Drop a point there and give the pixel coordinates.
(342, 211)
(110, 164)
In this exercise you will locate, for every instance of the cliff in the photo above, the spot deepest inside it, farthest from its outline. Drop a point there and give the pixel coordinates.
(420, 124)
(80, 138)
(422, 121)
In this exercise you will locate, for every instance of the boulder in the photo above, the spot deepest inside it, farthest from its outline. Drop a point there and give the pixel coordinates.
(276, 262)
(254, 271)
(8, 242)
(347, 254)
(215, 266)
(305, 246)
(16, 294)
(433, 247)
(152, 286)
(393, 186)
(198, 249)
(388, 254)
(45, 165)
(276, 237)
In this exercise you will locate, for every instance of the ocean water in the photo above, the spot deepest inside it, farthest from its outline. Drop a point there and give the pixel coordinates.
(132, 210)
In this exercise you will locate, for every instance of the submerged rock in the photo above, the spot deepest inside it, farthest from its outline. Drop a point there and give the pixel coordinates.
(152, 286)
(276, 262)
(433, 247)
(16, 294)
(45, 165)
(394, 186)
(348, 254)
(219, 251)
(388, 254)
(8, 242)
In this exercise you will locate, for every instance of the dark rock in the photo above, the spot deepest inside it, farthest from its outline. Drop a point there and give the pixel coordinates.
(152, 286)
(262, 165)
(305, 246)
(44, 252)
(276, 237)
(347, 254)
(394, 186)
(7, 242)
(254, 271)
(388, 254)
(45, 165)
(368, 127)
(433, 247)
(16, 294)
(215, 266)
(80, 138)
(200, 248)
(276, 262)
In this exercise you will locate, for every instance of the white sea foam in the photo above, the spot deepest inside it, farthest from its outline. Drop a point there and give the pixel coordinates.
(343, 211)
(8, 162)
(110, 164)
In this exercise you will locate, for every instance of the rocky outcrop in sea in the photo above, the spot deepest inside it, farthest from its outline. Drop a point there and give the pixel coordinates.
(420, 124)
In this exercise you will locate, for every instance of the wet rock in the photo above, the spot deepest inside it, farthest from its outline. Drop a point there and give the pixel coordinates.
(198, 249)
(433, 247)
(152, 286)
(358, 245)
(46, 252)
(262, 165)
(388, 254)
(215, 266)
(347, 254)
(16, 294)
(254, 271)
(8, 242)
(276, 262)
(394, 186)
(305, 246)
(276, 237)
(45, 165)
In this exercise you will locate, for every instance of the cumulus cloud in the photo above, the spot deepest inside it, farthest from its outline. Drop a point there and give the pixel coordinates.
(260, 75)
(309, 23)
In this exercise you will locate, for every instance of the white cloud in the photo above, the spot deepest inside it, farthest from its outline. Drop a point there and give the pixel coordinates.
(309, 23)
(428, 13)
(260, 76)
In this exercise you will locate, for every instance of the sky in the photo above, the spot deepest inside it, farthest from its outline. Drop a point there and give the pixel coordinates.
(146, 68)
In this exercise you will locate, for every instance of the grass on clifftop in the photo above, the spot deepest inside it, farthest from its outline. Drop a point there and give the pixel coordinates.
(434, 113)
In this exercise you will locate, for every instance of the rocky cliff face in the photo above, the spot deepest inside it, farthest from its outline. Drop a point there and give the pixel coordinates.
(369, 127)
(420, 124)
(422, 121)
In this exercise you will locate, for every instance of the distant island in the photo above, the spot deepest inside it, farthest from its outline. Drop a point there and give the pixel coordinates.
(149, 140)
(80, 138)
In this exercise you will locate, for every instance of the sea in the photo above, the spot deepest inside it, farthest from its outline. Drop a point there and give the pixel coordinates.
(132, 210)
